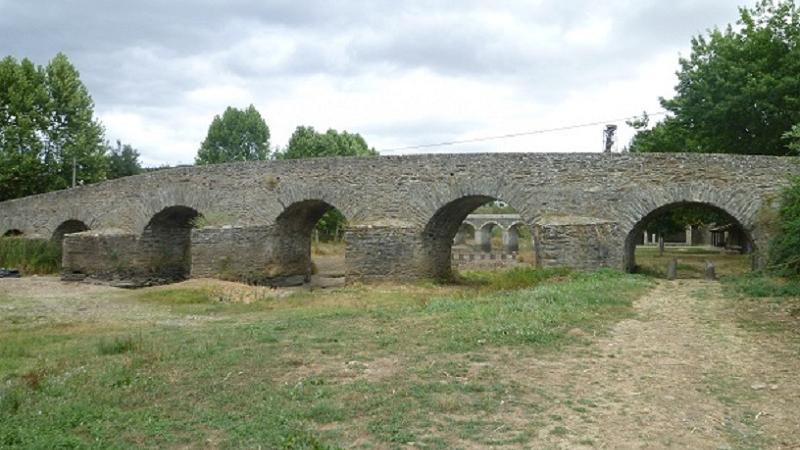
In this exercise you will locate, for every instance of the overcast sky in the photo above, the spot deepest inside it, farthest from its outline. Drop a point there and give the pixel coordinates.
(398, 72)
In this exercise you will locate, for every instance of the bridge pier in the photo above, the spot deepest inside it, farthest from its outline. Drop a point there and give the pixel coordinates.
(578, 242)
(382, 253)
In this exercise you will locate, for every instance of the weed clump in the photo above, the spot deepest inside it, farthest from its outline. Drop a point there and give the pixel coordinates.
(30, 256)
(118, 345)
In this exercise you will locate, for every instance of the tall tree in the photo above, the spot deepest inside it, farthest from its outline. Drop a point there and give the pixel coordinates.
(23, 115)
(74, 138)
(238, 135)
(739, 90)
(46, 124)
(123, 161)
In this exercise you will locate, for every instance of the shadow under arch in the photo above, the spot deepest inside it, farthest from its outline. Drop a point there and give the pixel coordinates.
(166, 242)
(294, 227)
(14, 232)
(632, 238)
(68, 227)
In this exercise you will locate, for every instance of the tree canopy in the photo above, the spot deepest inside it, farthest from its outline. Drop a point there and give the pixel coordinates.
(123, 161)
(238, 135)
(47, 124)
(306, 142)
(738, 91)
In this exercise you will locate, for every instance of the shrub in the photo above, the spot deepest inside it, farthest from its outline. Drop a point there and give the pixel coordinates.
(784, 250)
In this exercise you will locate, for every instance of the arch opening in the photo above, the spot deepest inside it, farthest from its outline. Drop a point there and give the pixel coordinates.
(13, 233)
(166, 242)
(496, 244)
(692, 232)
(68, 227)
(311, 242)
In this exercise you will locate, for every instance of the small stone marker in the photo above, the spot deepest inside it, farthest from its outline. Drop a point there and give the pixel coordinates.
(711, 273)
(672, 269)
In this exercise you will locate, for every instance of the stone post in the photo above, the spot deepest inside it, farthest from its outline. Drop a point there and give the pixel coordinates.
(483, 236)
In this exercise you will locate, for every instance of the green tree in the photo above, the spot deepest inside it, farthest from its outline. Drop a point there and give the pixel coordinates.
(23, 114)
(793, 139)
(239, 135)
(739, 90)
(676, 219)
(46, 123)
(123, 161)
(306, 142)
(74, 138)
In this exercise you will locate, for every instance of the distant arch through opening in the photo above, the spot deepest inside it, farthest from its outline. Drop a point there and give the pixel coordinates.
(441, 234)
(692, 232)
(166, 242)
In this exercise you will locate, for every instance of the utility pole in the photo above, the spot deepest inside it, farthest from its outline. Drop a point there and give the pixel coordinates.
(74, 170)
(609, 138)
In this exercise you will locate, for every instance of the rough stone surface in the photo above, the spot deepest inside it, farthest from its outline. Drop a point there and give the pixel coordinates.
(403, 211)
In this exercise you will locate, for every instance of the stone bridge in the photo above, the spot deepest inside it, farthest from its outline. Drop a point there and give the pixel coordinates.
(480, 226)
(253, 221)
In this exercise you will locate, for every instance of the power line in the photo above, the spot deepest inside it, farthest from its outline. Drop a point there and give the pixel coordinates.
(519, 134)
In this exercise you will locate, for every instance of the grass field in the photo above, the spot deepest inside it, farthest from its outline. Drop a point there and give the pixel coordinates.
(371, 367)
(691, 261)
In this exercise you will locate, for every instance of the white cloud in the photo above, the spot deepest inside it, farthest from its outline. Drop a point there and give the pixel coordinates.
(400, 73)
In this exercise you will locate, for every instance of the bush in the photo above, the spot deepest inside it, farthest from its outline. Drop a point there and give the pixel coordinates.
(784, 250)
(30, 256)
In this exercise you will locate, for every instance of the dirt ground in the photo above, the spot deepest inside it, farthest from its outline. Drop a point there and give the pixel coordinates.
(685, 372)
(682, 374)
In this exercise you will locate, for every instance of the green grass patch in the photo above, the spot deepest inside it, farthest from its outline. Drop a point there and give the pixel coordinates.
(541, 315)
(118, 345)
(514, 278)
(30, 256)
(764, 286)
(176, 296)
(383, 366)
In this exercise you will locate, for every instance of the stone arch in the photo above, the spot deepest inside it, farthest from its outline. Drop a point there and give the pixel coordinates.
(166, 242)
(14, 232)
(438, 234)
(423, 203)
(293, 236)
(631, 239)
(137, 214)
(295, 194)
(67, 227)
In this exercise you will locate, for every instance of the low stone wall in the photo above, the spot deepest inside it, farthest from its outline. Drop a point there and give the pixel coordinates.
(236, 253)
(104, 255)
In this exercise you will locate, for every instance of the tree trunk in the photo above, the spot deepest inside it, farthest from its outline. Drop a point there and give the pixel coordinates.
(661, 246)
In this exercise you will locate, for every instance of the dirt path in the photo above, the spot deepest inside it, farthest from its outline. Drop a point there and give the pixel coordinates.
(682, 374)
